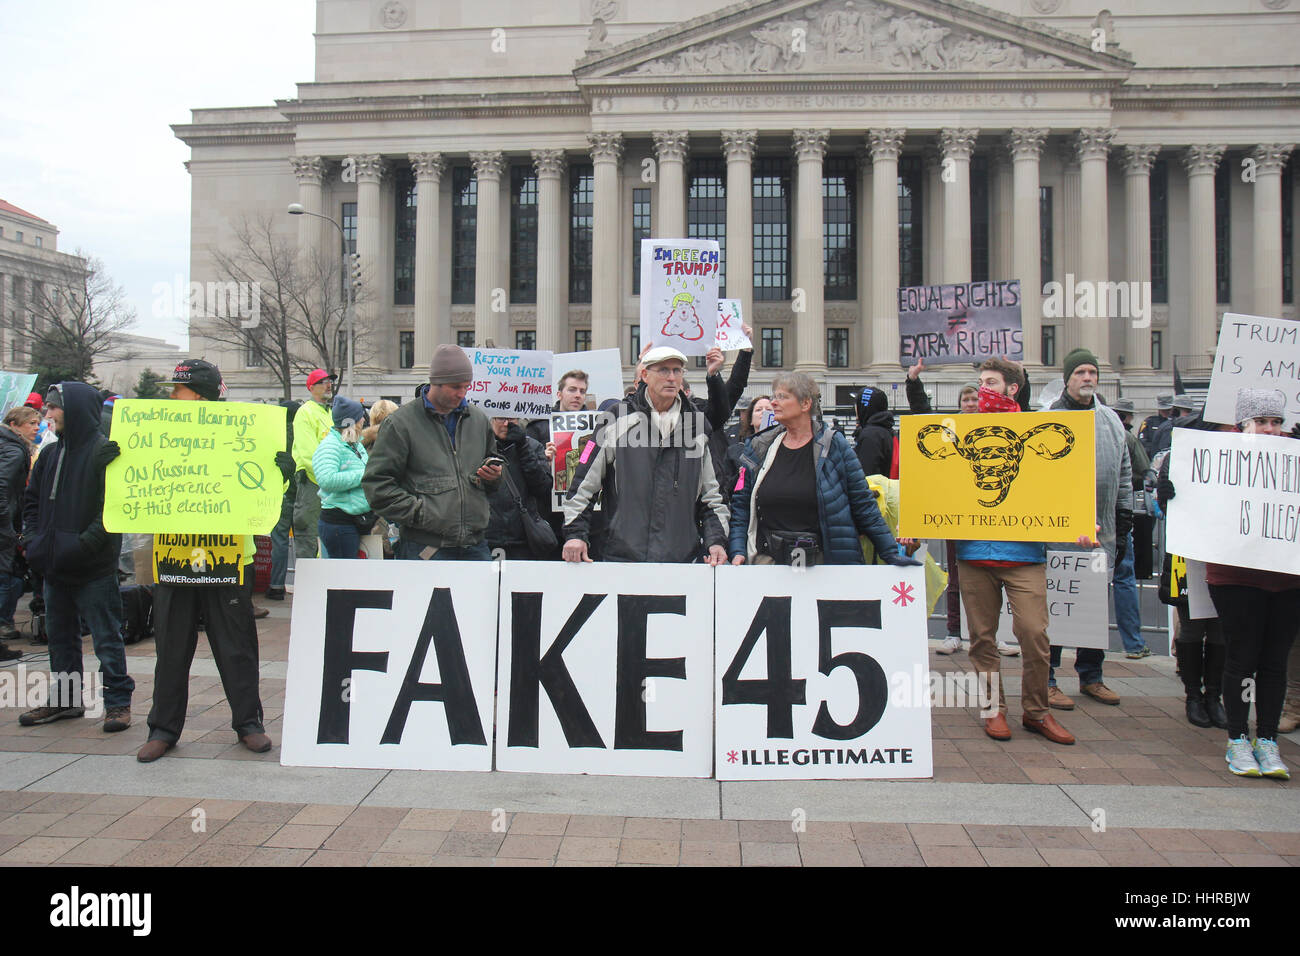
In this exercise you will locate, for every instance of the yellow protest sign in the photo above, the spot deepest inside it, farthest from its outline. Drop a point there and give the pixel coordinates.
(211, 559)
(190, 467)
(1028, 476)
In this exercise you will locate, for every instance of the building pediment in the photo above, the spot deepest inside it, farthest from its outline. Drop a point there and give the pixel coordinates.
(854, 37)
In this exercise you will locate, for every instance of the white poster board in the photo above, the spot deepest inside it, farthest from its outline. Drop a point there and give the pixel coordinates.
(570, 432)
(604, 368)
(1078, 610)
(607, 669)
(1254, 352)
(821, 673)
(391, 665)
(679, 293)
(731, 327)
(511, 383)
(1237, 499)
(1200, 606)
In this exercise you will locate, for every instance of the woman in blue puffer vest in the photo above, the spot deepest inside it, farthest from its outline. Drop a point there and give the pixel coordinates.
(801, 494)
(340, 462)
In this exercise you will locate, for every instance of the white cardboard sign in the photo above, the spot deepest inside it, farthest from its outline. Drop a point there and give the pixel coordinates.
(1077, 601)
(604, 368)
(731, 327)
(1237, 499)
(1200, 605)
(821, 673)
(605, 668)
(511, 383)
(679, 293)
(1254, 352)
(391, 665)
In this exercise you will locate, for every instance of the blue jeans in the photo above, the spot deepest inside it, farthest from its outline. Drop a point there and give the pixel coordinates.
(11, 589)
(280, 543)
(1128, 616)
(99, 604)
(338, 540)
(410, 551)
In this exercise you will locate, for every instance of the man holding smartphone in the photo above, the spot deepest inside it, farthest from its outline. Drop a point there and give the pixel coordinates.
(433, 466)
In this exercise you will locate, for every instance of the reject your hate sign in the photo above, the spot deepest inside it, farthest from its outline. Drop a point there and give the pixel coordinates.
(511, 383)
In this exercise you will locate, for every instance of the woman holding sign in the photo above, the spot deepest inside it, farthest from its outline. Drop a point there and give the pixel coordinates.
(339, 462)
(801, 497)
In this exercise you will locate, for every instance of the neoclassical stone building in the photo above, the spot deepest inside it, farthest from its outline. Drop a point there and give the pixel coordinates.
(495, 165)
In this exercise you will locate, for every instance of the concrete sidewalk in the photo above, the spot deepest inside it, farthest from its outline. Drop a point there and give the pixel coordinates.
(70, 793)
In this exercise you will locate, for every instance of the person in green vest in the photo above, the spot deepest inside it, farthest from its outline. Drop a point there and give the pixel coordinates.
(310, 426)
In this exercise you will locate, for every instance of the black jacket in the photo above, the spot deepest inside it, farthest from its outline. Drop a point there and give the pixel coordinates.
(15, 464)
(63, 513)
(874, 443)
(531, 474)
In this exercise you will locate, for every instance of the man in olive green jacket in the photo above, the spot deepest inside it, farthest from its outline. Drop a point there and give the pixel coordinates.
(427, 471)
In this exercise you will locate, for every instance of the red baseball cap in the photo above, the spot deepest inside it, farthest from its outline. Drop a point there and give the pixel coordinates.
(319, 375)
(35, 401)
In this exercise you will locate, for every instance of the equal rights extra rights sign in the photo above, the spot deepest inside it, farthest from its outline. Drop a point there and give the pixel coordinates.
(959, 324)
(191, 467)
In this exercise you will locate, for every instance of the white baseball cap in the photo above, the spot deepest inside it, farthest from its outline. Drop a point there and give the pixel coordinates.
(662, 353)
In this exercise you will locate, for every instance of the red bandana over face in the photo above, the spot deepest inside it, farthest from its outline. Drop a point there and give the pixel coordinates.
(991, 401)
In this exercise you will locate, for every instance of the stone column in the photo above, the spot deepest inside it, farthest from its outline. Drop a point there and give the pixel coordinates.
(738, 147)
(1025, 147)
(956, 145)
(1093, 146)
(1202, 309)
(310, 171)
(886, 144)
(932, 216)
(488, 325)
(863, 227)
(671, 148)
(371, 170)
(1137, 246)
(1071, 206)
(606, 156)
(431, 329)
(1267, 198)
(551, 297)
(1001, 216)
(810, 242)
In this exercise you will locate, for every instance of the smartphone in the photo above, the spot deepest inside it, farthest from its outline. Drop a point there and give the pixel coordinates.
(493, 460)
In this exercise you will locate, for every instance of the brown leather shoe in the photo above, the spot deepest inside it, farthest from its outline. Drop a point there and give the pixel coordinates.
(1100, 692)
(996, 727)
(258, 743)
(152, 750)
(1056, 699)
(1049, 728)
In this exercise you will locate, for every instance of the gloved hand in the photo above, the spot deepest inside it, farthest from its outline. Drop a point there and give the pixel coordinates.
(284, 461)
(1164, 493)
(900, 560)
(1123, 528)
(107, 452)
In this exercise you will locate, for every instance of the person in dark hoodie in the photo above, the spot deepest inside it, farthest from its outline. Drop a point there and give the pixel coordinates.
(874, 438)
(65, 540)
(526, 482)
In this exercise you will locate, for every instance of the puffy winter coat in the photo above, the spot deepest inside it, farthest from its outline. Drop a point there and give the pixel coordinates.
(339, 468)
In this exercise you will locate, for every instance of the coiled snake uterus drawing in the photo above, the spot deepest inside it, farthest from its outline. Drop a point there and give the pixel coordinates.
(995, 452)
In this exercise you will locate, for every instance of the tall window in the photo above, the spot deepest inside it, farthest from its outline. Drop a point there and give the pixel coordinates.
(837, 348)
(464, 234)
(252, 354)
(771, 192)
(910, 236)
(839, 236)
(1049, 344)
(582, 340)
(706, 209)
(1157, 350)
(1222, 232)
(1045, 263)
(406, 350)
(349, 217)
(979, 219)
(582, 195)
(1159, 207)
(635, 352)
(641, 226)
(773, 347)
(1288, 230)
(404, 237)
(465, 339)
(523, 234)
(525, 339)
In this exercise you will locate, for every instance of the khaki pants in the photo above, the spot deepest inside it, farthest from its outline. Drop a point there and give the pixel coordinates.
(1026, 588)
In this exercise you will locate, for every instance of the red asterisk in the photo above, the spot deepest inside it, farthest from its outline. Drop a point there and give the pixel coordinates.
(904, 592)
(732, 756)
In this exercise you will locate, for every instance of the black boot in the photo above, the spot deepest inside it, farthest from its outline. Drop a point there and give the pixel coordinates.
(1189, 669)
(1215, 656)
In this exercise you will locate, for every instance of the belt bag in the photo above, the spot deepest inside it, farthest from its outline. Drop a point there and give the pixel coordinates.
(784, 546)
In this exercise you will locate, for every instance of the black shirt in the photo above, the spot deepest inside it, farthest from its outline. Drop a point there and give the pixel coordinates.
(787, 498)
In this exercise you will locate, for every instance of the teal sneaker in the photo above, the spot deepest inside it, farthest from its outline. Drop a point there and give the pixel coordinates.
(1270, 761)
(1241, 758)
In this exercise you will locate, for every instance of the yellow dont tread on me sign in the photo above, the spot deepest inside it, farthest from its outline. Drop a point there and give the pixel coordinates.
(194, 467)
(1028, 476)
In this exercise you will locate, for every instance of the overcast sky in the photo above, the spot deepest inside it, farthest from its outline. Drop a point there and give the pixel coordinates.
(88, 92)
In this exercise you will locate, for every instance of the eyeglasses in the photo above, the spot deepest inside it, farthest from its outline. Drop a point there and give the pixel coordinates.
(671, 371)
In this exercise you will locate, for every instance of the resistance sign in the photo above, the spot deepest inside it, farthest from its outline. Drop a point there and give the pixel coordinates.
(194, 466)
(1027, 476)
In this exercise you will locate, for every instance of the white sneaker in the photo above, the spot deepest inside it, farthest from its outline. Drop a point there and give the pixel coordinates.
(1270, 761)
(951, 645)
(1007, 649)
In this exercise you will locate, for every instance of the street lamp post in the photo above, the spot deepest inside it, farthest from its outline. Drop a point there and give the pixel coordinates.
(296, 209)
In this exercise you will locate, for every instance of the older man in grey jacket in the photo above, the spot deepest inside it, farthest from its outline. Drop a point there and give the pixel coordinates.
(1114, 510)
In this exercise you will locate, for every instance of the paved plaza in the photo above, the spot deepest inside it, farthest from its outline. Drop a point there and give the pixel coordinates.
(71, 794)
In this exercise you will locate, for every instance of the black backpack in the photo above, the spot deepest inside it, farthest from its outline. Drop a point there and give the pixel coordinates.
(137, 613)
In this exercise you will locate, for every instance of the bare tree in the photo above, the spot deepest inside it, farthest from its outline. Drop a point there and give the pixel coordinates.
(289, 308)
(75, 318)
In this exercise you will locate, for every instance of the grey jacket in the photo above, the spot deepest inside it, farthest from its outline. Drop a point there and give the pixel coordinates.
(1114, 471)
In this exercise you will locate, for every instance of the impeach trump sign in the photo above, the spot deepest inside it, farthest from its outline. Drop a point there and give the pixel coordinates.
(960, 324)
(1021, 476)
